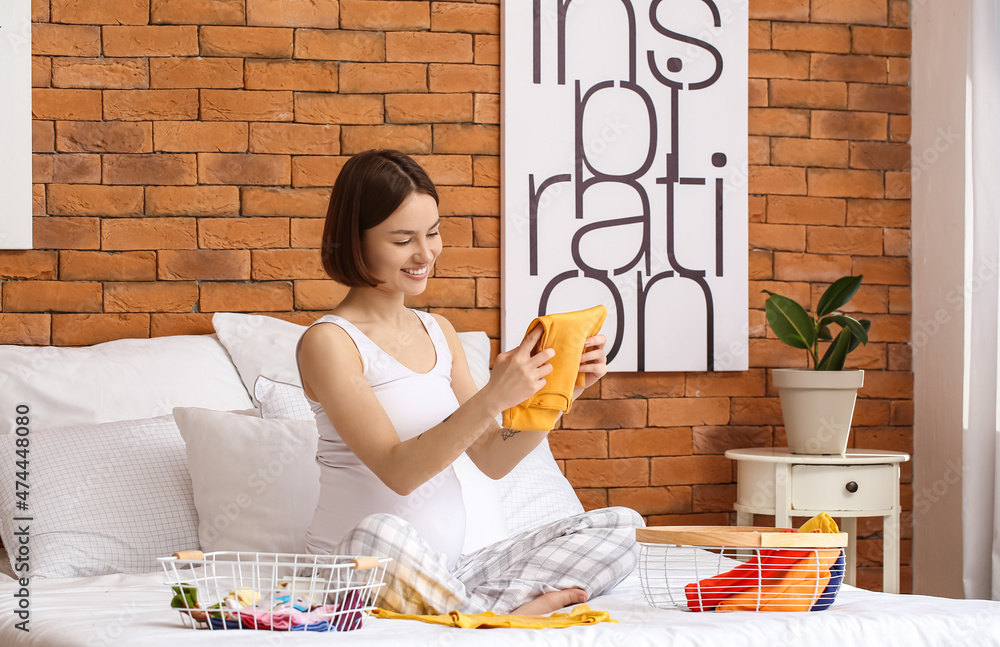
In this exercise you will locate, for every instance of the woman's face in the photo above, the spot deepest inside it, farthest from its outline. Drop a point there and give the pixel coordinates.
(401, 250)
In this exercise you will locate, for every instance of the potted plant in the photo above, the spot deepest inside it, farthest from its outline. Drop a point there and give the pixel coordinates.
(817, 404)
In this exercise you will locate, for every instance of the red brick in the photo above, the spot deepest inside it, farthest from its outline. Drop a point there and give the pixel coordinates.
(652, 500)
(469, 201)
(899, 128)
(318, 295)
(41, 71)
(772, 353)
(43, 137)
(878, 213)
(760, 34)
(100, 73)
(245, 297)
(38, 200)
(785, 237)
(884, 270)
(384, 15)
(456, 77)
(456, 232)
(642, 385)
(306, 232)
(427, 47)
(314, 76)
(447, 170)
(200, 137)
(150, 296)
(848, 125)
(250, 42)
(858, 241)
(266, 201)
(75, 169)
(889, 328)
(896, 242)
(197, 12)
(870, 413)
(322, 108)
(807, 211)
(162, 324)
(848, 67)
(242, 233)
(294, 139)
(65, 40)
(688, 470)
(52, 103)
(592, 498)
(717, 440)
(465, 17)
(807, 37)
(448, 293)
(665, 412)
(89, 329)
(780, 10)
(901, 413)
(381, 78)
(246, 105)
(487, 49)
(98, 200)
(712, 497)
(757, 411)
(203, 264)
(148, 233)
(605, 414)
(878, 40)
(235, 168)
(486, 170)
(757, 208)
(316, 171)
(103, 137)
(24, 329)
(164, 168)
(150, 41)
(106, 266)
(757, 93)
(579, 443)
(192, 201)
(786, 122)
(900, 300)
(899, 71)
(796, 291)
(51, 296)
(486, 108)
(789, 266)
(196, 72)
(466, 139)
(293, 13)
(868, 299)
(613, 472)
(408, 139)
(51, 232)
(649, 441)
(838, 183)
(340, 45)
(870, 12)
(724, 383)
(278, 264)
(879, 98)
(428, 108)
(694, 519)
(487, 320)
(28, 264)
(880, 156)
(786, 151)
(779, 65)
(761, 264)
(887, 384)
(145, 105)
(789, 93)
(107, 12)
(461, 262)
(789, 180)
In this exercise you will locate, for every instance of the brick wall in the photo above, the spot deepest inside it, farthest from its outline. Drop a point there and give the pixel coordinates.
(184, 151)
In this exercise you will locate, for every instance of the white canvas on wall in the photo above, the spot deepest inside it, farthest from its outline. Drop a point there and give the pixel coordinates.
(15, 124)
(624, 159)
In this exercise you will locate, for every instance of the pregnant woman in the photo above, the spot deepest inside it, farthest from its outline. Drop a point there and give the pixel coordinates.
(396, 405)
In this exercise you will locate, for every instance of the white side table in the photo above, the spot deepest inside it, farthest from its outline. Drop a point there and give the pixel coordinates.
(859, 483)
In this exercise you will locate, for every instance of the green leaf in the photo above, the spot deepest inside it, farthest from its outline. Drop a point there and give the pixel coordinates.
(854, 342)
(860, 331)
(833, 359)
(185, 597)
(840, 292)
(824, 332)
(789, 321)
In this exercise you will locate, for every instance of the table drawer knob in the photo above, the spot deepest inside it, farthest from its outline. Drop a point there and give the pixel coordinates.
(852, 487)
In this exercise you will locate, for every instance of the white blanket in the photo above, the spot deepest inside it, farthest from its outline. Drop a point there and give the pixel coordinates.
(134, 610)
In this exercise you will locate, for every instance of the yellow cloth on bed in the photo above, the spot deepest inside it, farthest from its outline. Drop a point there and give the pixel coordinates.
(580, 615)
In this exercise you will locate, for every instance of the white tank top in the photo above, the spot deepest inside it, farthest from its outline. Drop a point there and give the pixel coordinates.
(415, 402)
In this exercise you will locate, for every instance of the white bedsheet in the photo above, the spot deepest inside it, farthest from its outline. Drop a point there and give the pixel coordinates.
(134, 610)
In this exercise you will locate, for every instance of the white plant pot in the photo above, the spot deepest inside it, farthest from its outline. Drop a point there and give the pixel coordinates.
(818, 407)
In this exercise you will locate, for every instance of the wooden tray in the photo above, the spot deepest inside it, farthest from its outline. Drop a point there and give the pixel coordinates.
(738, 537)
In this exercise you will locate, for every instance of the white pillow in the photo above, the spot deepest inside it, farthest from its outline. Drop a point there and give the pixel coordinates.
(103, 499)
(480, 493)
(128, 379)
(256, 482)
(535, 492)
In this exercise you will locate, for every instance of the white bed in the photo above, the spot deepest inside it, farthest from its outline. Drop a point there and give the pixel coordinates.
(125, 447)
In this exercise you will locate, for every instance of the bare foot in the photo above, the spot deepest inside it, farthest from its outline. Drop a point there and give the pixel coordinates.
(549, 602)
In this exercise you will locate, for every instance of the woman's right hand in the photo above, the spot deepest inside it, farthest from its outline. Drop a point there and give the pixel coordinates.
(520, 372)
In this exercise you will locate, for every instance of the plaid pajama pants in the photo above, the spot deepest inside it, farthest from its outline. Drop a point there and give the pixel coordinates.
(592, 551)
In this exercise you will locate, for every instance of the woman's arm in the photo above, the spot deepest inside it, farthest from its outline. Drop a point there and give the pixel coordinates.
(497, 451)
(332, 373)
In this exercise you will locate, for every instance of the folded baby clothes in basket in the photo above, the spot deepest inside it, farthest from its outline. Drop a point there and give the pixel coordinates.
(566, 332)
(579, 615)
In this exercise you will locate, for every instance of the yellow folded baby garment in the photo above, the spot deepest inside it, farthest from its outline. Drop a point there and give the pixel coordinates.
(580, 615)
(565, 332)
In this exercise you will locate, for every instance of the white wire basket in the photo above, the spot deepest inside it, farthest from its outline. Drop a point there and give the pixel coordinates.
(273, 591)
(731, 568)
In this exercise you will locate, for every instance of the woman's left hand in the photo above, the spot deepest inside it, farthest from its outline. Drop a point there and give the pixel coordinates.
(593, 363)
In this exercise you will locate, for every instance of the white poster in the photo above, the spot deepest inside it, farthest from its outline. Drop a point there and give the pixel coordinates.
(15, 124)
(625, 175)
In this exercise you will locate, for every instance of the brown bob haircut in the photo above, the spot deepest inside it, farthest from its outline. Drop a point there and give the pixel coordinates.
(370, 187)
